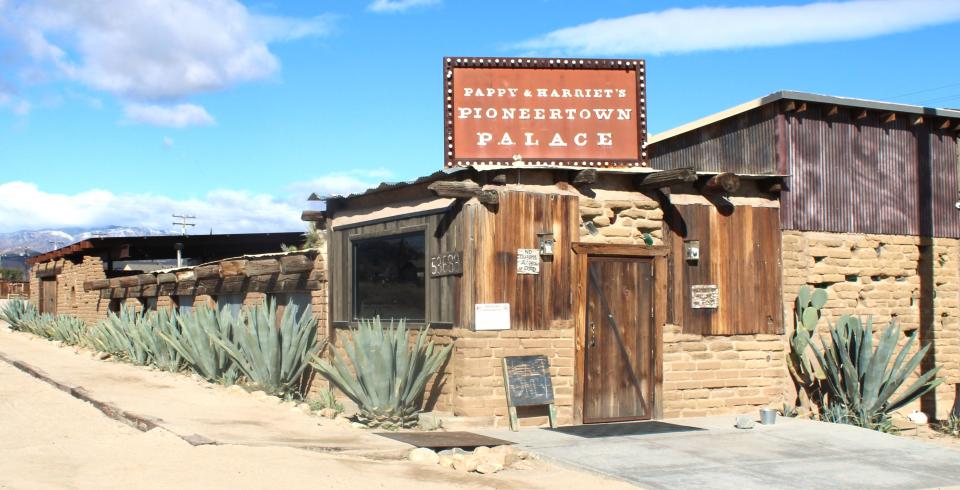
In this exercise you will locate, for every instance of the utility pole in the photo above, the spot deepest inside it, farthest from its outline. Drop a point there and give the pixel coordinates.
(183, 223)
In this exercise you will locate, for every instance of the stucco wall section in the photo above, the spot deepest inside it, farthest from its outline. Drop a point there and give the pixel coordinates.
(886, 277)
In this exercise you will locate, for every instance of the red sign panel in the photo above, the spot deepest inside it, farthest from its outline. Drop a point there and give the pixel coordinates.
(580, 113)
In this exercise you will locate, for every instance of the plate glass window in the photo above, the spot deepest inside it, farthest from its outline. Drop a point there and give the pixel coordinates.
(388, 277)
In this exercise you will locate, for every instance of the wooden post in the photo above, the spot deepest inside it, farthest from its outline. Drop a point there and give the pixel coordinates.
(585, 177)
(665, 178)
(726, 182)
(459, 189)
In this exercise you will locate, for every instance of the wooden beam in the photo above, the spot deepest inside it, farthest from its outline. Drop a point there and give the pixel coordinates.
(585, 177)
(889, 117)
(916, 121)
(499, 179)
(945, 124)
(208, 271)
(789, 106)
(129, 281)
(144, 279)
(295, 263)
(229, 268)
(726, 182)
(862, 115)
(802, 107)
(464, 189)
(664, 178)
(166, 278)
(770, 186)
(95, 284)
(262, 267)
(833, 111)
(315, 216)
(489, 197)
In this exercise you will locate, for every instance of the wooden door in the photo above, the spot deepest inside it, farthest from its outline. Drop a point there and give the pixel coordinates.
(48, 296)
(619, 356)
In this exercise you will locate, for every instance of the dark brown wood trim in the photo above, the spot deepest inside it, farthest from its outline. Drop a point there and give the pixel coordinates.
(624, 250)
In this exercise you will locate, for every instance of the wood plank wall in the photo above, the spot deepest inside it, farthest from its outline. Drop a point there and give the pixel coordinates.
(537, 302)
(443, 234)
(740, 253)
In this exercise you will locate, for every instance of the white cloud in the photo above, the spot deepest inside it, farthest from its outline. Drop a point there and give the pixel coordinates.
(176, 116)
(25, 206)
(711, 28)
(148, 51)
(391, 6)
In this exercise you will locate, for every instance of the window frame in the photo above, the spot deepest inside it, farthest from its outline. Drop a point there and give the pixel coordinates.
(352, 304)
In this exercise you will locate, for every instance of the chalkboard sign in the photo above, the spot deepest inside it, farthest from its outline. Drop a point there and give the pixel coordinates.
(526, 380)
(446, 264)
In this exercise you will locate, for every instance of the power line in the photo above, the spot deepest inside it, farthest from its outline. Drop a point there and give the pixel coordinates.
(923, 91)
(183, 223)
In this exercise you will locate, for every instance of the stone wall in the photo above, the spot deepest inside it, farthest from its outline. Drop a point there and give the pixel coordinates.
(908, 279)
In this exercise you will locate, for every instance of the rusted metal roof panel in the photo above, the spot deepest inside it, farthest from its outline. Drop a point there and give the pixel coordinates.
(864, 175)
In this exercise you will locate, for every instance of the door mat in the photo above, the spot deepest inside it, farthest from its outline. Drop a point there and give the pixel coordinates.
(443, 440)
(592, 431)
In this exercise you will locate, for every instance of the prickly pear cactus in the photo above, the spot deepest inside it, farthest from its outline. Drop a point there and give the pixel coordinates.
(807, 311)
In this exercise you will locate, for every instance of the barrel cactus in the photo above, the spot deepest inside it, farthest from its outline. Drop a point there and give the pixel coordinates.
(382, 373)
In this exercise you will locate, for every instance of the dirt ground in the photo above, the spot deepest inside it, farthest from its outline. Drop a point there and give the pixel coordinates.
(49, 439)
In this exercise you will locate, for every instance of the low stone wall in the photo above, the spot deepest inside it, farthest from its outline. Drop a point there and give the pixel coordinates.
(911, 280)
(714, 375)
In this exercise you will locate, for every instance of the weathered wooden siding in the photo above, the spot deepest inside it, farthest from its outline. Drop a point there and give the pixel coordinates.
(743, 144)
(539, 301)
(443, 234)
(739, 253)
(868, 176)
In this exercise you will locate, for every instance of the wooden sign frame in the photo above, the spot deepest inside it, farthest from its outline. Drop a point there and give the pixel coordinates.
(547, 399)
(638, 66)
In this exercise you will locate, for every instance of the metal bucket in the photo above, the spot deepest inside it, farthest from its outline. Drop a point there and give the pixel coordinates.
(768, 416)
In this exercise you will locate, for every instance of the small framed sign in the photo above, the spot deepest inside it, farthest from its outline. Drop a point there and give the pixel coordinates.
(528, 261)
(492, 316)
(446, 264)
(526, 380)
(704, 296)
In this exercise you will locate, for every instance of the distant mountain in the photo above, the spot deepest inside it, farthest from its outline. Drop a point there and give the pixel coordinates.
(31, 242)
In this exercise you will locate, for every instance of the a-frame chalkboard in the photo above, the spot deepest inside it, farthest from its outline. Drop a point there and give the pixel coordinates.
(526, 380)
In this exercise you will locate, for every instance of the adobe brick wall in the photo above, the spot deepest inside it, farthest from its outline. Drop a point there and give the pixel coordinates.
(71, 297)
(879, 275)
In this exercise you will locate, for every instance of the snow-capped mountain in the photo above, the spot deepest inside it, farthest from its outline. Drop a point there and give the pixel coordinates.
(33, 241)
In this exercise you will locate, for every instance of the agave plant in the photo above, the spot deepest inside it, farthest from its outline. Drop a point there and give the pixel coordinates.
(273, 355)
(194, 340)
(388, 375)
(39, 325)
(150, 335)
(68, 329)
(865, 383)
(118, 335)
(17, 311)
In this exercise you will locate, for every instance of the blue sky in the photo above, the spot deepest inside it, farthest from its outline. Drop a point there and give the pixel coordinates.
(113, 113)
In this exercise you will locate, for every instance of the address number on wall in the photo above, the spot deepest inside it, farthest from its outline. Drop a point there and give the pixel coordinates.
(448, 264)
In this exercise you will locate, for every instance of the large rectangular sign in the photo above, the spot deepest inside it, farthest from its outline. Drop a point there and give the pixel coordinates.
(561, 112)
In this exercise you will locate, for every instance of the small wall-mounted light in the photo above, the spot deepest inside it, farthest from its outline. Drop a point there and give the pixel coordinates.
(691, 251)
(545, 242)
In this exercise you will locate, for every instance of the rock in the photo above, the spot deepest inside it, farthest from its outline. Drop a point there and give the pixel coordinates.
(481, 451)
(445, 460)
(744, 422)
(451, 452)
(917, 417)
(509, 459)
(305, 408)
(328, 413)
(342, 421)
(259, 394)
(522, 465)
(523, 454)
(236, 390)
(358, 425)
(104, 356)
(488, 468)
(465, 462)
(424, 456)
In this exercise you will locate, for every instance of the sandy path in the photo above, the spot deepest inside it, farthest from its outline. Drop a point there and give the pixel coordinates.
(49, 439)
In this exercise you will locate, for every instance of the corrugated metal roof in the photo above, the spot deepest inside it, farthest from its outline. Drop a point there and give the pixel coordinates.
(804, 97)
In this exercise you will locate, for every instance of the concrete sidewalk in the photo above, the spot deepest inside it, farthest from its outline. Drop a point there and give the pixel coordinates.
(710, 453)
(194, 410)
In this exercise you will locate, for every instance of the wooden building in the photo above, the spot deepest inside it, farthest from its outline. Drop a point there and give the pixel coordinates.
(664, 291)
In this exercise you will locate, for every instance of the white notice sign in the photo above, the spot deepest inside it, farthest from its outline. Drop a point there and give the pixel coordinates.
(492, 316)
(528, 261)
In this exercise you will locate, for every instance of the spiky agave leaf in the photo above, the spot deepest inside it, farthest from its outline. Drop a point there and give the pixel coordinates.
(194, 341)
(382, 373)
(18, 311)
(273, 356)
